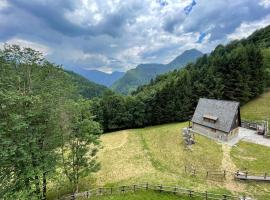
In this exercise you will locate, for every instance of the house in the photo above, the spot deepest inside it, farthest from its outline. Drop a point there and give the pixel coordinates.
(217, 119)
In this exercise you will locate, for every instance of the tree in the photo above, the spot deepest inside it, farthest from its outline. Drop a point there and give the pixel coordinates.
(31, 92)
(80, 141)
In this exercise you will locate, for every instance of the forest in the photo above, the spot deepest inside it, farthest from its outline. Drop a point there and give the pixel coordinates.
(238, 71)
(46, 129)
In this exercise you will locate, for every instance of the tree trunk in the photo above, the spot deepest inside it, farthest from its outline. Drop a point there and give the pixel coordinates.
(38, 192)
(44, 186)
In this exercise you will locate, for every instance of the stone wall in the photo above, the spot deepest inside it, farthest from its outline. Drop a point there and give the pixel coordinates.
(213, 133)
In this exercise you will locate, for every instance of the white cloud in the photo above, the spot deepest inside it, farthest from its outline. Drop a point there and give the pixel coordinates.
(3, 4)
(29, 44)
(246, 28)
(118, 35)
(265, 3)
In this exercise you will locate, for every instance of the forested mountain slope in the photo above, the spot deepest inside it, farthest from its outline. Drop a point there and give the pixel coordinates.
(143, 73)
(99, 77)
(85, 87)
(238, 71)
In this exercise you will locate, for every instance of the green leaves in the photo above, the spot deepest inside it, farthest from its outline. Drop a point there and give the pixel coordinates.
(33, 95)
(81, 141)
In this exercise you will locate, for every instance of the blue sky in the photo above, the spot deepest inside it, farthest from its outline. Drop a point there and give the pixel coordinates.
(115, 35)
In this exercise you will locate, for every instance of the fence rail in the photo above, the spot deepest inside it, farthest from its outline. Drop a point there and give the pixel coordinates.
(208, 173)
(252, 176)
(260, 126)
(176, 190)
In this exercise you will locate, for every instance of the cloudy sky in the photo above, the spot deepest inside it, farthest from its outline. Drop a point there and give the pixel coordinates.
(116, 35)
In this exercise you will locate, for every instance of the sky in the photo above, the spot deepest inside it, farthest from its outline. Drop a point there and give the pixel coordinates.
(117, 35)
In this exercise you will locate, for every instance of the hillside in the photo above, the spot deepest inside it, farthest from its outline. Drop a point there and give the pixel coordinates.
(257, 109)
(157, 155)
(99, 77)
(143, 73)
(85, 87)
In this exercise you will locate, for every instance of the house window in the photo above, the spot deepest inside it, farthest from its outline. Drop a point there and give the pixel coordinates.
(209, 118)
(213, 130)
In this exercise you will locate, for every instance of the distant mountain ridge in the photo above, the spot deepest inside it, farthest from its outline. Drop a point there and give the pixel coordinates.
(143, 73)
(99, 77)
(86, 88)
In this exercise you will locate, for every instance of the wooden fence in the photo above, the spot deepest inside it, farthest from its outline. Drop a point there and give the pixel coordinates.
(256, 125)
(252, 176)
(176, 190)
(221, 174)
(210, 174)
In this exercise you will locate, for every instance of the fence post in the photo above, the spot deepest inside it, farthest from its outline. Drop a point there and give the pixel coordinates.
(134, 188)
(146, 187)
(123, 189)
(206, 195)
(224, 197)
(194, 172)
(224, 173)
(175, 189)
(100, 191)
(190, 193)
(73, 197)
(160, 188)
(207, 174)
(111, 190)
(246, 173)
(87, 194)
(265, 175)
(185, 169)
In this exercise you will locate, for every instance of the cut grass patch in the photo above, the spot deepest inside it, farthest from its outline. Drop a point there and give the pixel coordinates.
(257, 109)
(253, 157)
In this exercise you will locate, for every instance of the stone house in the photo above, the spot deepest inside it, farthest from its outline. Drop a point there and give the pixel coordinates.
(218, 119)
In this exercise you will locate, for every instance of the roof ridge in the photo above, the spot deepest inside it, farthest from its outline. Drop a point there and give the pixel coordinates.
(220, 100)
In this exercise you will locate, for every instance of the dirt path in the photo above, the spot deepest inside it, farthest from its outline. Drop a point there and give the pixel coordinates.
(228, 165)
(114, 141)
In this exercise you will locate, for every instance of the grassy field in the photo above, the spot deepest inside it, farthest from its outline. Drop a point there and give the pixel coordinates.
(157, 155)
(258, 109)
(143, 195)
(255, 159)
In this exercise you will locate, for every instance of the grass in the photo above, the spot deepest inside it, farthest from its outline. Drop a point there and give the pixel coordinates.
(258, 109)
(157, 155)
(252, 157)
(154, 154)
(255, 159)
(142, 195)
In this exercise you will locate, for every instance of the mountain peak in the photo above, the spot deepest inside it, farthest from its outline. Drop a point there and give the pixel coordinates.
(186, 57)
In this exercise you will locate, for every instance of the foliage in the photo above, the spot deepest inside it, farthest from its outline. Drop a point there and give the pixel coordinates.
(86, 88)
(238, 71)
(80, 142)
(32, 94)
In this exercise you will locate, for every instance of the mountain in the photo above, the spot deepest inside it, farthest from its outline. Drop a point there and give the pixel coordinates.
(238, 71)
(86, 88)
(186, 57)
(99, 77)
(143, 73)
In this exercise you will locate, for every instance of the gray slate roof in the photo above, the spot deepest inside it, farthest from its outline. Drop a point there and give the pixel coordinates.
(225, 112)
